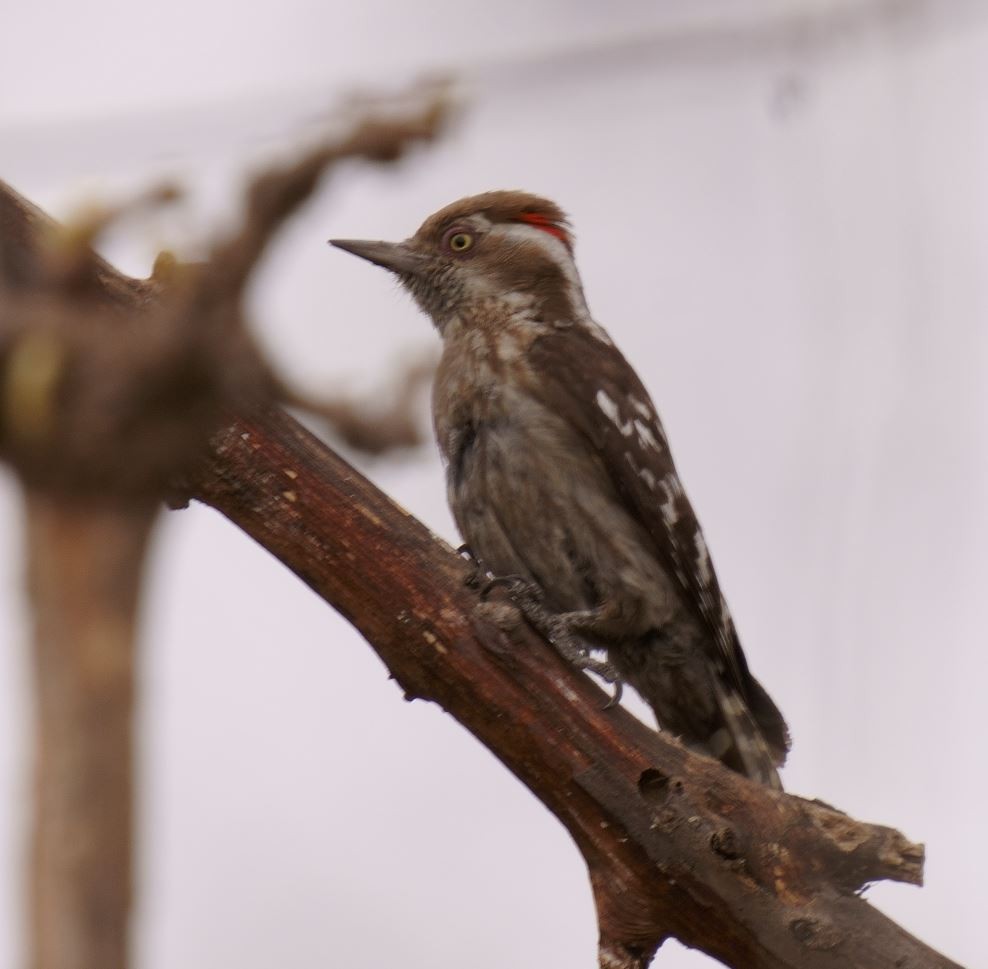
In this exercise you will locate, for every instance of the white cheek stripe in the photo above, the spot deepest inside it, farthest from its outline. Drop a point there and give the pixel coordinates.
(559, 253)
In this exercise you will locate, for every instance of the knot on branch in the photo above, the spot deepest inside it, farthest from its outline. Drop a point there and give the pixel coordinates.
(815, 933)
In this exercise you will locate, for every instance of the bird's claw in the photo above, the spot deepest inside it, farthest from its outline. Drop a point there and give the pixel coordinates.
(578, 654)
(525, 594)
(557, 628)
(608, 674)
(615, 700)
(479, 571)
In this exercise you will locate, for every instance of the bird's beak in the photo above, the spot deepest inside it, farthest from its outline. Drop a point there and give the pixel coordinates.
(399, 257)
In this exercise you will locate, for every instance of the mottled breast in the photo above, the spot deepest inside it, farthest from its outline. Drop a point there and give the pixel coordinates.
(478, 373)
(530, 496)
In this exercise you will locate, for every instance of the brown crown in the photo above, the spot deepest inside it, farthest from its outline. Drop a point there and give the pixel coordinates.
(501, 206)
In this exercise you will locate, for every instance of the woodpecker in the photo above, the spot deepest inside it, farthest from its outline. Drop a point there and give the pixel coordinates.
(559, 472)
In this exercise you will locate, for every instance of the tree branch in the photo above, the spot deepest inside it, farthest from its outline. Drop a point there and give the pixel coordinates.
(676, 844)
(373, 426)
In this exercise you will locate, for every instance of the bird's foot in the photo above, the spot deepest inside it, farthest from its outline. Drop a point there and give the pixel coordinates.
(479, 572)
(526, 595)
(560, 628)
(574, 651)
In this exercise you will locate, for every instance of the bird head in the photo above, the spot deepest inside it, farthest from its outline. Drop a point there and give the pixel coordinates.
(500, 251)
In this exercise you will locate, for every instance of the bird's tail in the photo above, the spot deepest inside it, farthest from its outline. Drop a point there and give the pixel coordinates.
(753, 739)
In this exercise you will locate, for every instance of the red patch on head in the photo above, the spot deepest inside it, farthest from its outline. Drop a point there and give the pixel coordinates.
(545, 224)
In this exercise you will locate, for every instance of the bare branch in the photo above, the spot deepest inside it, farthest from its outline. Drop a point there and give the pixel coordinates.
(369, 426)
(675, 843)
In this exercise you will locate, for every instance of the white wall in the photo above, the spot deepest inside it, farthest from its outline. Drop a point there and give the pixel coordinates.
(782, 226)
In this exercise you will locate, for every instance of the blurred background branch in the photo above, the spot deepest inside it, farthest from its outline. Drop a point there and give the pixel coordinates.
(110, 389)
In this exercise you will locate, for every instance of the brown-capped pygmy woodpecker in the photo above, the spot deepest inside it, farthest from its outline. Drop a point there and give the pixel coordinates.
(559, 471)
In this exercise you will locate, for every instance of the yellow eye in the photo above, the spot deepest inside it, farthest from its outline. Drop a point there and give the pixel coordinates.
(460, 242)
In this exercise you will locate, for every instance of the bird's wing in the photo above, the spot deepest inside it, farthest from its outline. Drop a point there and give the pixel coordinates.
(583, 377)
